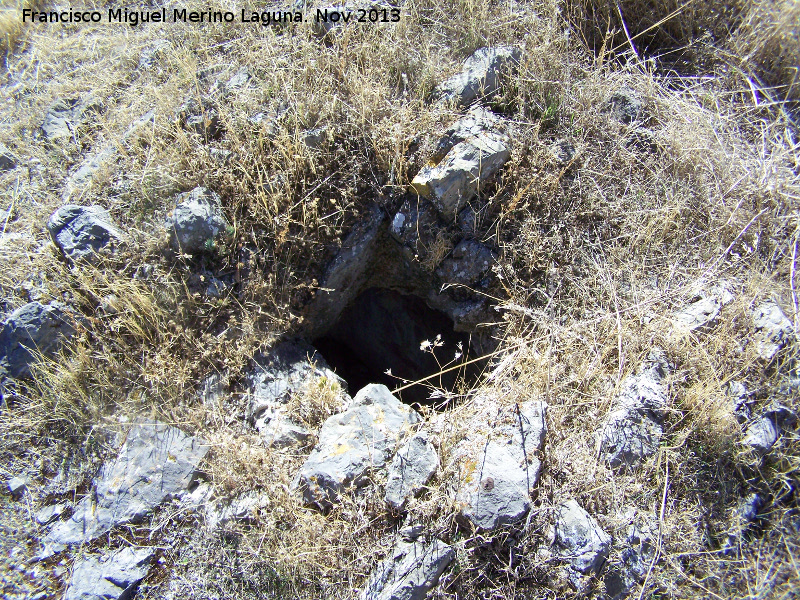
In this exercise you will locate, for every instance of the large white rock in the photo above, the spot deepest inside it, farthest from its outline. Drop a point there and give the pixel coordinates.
(196, 221)
(82, 231)
(114, 577)
(457, 178)
(353, 443)
(498, 466)
(773, 329)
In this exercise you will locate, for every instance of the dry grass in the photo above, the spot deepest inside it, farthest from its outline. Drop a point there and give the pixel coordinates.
(594, 258)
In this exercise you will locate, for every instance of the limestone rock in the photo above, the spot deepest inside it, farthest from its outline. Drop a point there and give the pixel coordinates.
(498, 466)
(762, 434)
(585, 543)
(773, 329)
(17, 486)
(353, 443)
(632, 431)
(457, 178)
(626, 106)
(412, 467)
(48, 514)
(636, 553)
(111, 578)
(155, 462)
(476, 121)
(468, 264)
(699, 314)
(33, 328)
(80, 232)
(275, 378)
(7, 159)
(410, 572)
(481, 76)
(196, 221)
(64, 116)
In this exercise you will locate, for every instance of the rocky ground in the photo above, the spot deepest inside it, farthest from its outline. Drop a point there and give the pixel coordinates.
(314, 310)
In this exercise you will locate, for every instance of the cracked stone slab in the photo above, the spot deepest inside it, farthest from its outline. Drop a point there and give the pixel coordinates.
(31, 329)
(470, 262)
(81, 232)
(354, 443)
(409, 572)
(65, 115)
(113, 577)
(773, 329)
(155, 463)
(477, 120)
(458, 177)
(498, 465)
(585, 543)
(632, 431)
(412, 467)
(481, 76)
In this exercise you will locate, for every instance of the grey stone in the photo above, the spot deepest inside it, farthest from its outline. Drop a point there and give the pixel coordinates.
(150, 54)
(626, 106)
(762, 434)
(17, 486)
(238, 81)
(468, 264)
(220, 155)
(81, 179)
(744, 515)
(737, 392)
(216, 288)
(412, 467)
(111, 578)
(409, 533)
(587, 546)
(33, 328)
(155, 462)
(773, 330)
(636, 554)
(48, 514)
(477, 120)
(498, 466)
(196, 221)
(80, 232)
(632, 431)
(353, 443)
(457, 178)
(347, 274)
(481, 75)
(274, 379)
(699, 314)
(410, 572)
(64, 116)
(7, 160)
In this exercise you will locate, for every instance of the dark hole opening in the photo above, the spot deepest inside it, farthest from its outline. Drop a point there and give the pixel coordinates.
(383, 329)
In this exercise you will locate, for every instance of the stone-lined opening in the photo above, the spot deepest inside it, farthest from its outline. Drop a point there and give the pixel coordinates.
(382, 329)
